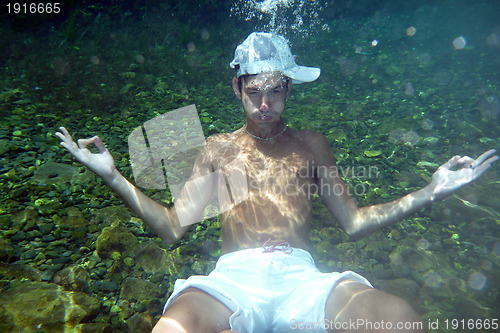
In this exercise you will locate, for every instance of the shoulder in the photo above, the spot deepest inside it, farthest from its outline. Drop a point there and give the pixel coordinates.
(313, 140)
(318, 145)
(222, 147)
(216, 140)
(223, 137)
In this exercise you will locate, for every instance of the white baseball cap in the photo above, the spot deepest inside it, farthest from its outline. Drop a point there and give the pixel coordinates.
(266, 52)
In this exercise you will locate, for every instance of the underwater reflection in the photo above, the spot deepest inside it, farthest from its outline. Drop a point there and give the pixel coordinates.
(264, 191)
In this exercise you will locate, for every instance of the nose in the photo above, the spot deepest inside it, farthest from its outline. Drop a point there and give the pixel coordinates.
(265, 103)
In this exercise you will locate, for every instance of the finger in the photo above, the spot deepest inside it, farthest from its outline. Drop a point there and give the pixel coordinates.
(490, 161)
(64, 135)
(83, 143)
(451, 162)
(99, 144)
(68, 145)
(480, 169)
(60, 135)
(484, 157)
(65, 132)
(466, 161)
(67, 140)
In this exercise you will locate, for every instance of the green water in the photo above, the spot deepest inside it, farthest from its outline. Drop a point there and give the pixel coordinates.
(399, 93)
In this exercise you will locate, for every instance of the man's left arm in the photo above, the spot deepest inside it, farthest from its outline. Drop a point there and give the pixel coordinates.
(359, 222)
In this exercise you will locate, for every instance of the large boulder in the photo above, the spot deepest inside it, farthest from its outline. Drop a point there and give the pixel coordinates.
(34, 306)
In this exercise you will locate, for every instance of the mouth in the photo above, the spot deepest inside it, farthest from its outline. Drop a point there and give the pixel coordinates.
(265, 117)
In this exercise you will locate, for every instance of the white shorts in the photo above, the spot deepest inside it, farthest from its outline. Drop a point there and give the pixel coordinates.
(269, 291)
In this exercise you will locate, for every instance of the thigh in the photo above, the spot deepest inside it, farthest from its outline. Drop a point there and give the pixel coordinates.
(194, 311)
(355, 307)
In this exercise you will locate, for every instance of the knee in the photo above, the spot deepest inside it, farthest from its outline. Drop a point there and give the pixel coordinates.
(194, 311)
(182, 316)
(375, 309)
(398, 312)
(169, 325)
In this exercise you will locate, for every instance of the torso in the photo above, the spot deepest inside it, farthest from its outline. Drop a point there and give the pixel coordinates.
(280, 181)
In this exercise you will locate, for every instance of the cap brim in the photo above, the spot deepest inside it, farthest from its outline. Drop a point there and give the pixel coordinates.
(301, 74)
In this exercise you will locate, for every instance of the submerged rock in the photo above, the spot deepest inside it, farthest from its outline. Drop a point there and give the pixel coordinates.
(57, 173)
(25, 220)
(140, 322)
(72, 218)
(411, 254)
(372, 153)
(35, 306)
(407, 289)
(7, 250)
(20, 271)
(112, 214)
(115, 239)
(134, 289)
(153, 259)
(73, 278)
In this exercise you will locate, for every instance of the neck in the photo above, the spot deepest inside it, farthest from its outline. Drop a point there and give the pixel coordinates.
(265, 131)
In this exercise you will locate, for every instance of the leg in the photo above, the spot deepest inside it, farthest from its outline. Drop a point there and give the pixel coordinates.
(192, 312)
(355, 307)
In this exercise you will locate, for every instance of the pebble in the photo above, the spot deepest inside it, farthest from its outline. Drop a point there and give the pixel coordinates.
(47, 275)
(48, 238)
(84, 250)
(129, 262)
(61, 260)
(46, 228)
(18, 236)
(107, 286)
(30, 254)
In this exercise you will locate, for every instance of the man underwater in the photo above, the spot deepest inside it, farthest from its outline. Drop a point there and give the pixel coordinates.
(266, 280)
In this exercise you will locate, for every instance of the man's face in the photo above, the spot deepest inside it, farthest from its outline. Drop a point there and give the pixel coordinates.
(263, 96)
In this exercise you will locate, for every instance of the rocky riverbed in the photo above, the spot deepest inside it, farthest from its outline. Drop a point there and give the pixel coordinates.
(73, 258)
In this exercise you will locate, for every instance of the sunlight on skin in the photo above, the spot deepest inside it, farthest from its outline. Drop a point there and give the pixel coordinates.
(359, 304)
(277, 204)
(444, 182)
(168, 325)
(448, 180)
(349, 303)
(155, 215)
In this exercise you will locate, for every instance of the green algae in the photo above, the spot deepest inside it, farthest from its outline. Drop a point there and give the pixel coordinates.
(356, 108)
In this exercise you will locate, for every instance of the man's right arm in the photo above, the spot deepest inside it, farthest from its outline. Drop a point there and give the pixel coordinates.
(160, 219)
(164, 222)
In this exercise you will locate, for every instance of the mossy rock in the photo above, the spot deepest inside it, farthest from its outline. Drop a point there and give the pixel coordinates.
(31, 306)
(115, 239)
(137, 290)
(73, 218)
(58, 173)
(153, 259)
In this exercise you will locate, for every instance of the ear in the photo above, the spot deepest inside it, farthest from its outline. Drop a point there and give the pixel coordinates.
(236, 88)
(289, 88)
